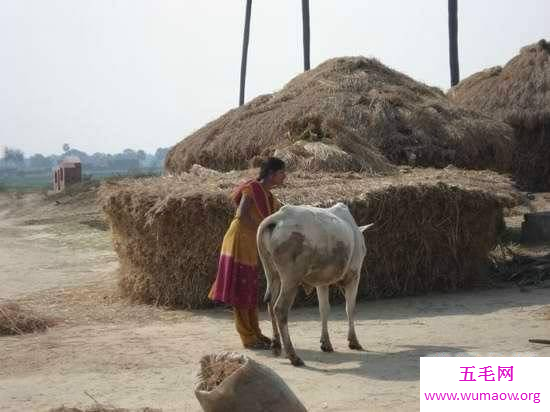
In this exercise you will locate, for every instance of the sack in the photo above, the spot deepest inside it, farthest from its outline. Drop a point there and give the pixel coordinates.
(229, 381)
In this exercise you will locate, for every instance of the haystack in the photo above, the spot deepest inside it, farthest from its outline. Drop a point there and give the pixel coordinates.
(15, 320)
(518, 93)
(434, 228)
(360, 111)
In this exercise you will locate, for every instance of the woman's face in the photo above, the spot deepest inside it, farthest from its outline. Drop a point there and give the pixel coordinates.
(278, 177)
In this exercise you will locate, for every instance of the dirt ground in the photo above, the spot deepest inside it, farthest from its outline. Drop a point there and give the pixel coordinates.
(56, 258)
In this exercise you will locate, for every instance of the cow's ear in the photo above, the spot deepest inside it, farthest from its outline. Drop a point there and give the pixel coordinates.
(366, 227)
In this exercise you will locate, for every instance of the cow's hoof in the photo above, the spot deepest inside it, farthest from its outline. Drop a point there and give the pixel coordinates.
(297, 361)
(276, 349)
(355, 346)
(326, 347)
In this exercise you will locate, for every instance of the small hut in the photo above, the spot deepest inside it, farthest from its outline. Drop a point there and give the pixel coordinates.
(519, 94)
(66, 173)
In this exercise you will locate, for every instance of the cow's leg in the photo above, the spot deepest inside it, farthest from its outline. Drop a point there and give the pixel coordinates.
(351, 295)
(276, 342)
(324, 310)
(275, 288)
(282, 307)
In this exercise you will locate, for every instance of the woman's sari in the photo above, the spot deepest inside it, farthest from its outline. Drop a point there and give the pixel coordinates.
(236, 282)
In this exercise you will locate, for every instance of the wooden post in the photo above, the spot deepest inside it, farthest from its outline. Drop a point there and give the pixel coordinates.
(245, 50)
(453, 42)
(305, 26)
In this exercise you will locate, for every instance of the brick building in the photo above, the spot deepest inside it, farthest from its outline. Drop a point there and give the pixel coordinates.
(68, 172)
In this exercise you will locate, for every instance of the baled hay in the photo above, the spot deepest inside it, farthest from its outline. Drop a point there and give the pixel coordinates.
(15, 320)
(353, 103)
(216, 368)
(519, 94)
(434, 229)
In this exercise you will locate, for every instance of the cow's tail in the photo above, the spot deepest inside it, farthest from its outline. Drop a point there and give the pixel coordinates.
(265, 231)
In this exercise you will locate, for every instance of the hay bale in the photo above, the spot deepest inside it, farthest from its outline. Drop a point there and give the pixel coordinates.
(233, 382)
(519, 94)
(360, 106)
(15, 320)
(434, 228)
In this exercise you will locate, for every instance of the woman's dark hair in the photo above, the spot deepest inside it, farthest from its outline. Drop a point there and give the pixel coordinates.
(271, 165)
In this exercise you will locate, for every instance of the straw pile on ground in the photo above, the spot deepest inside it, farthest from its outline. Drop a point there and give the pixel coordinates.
(15, 320)
(519, 267)
(363, 113)
(518, 93)
(434, 228)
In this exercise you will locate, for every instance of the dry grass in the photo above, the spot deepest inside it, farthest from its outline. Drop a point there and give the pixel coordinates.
(531, 160)
(513, 264)
(518, 93)
(521, 86)
(15, 320)
(216, 368)
(434, 228)
(319, 156)
(372, 113)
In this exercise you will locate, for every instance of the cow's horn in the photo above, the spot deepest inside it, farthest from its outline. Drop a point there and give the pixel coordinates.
(366, 227)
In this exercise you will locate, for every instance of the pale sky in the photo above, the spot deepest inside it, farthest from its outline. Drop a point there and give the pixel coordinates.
(104, 75)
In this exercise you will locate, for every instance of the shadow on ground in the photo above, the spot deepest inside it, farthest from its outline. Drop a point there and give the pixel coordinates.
(402, 365)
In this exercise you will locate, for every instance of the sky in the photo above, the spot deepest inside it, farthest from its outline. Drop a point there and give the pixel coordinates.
(105, 75)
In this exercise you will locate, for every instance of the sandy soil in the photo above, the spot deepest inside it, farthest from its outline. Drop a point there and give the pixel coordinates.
(55, 260)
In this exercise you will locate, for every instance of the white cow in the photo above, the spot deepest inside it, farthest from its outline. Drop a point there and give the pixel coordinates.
(312, 247)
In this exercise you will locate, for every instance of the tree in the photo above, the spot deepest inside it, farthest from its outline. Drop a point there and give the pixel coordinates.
(13, 158)
(160, 155)
(66, 147)
(129, 154)
(245, 49)
(305, 27)
(100, 160)
(453, 42)
(141, 156)
(83, 156)
(38, 161)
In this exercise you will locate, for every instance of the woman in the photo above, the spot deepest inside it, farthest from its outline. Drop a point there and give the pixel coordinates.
(236, 283)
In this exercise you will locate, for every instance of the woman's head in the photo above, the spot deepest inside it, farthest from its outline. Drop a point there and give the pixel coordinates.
(273, 169)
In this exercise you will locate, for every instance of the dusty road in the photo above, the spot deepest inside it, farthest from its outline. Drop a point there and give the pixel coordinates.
(131, 356)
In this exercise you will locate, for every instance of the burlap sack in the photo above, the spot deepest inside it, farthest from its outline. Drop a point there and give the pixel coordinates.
(229, 381)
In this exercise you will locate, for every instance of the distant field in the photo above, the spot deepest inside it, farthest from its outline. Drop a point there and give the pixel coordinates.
(32, 181)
